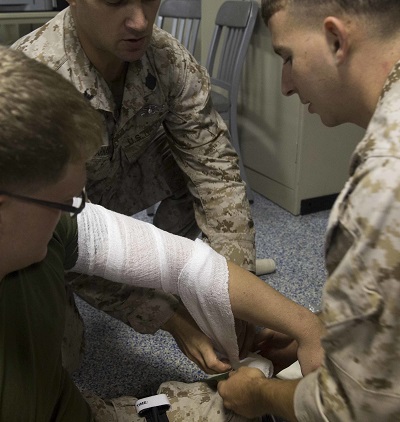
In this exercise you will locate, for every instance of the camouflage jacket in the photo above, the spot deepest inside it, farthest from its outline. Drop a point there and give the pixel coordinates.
(166, 87)
(360, 378)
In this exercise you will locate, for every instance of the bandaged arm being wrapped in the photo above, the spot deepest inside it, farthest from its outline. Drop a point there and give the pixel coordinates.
(214, 291)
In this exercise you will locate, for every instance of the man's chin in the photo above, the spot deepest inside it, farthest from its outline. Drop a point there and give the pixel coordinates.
(330, 122)
(131, 55)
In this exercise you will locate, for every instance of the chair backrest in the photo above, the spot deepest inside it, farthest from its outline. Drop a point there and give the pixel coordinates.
(234, 26)
(181, 18)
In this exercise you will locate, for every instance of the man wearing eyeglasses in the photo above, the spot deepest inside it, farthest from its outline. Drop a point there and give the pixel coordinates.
(42, 174)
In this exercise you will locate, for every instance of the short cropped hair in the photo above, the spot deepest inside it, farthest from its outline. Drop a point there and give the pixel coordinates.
(386, 12)
(45, 123)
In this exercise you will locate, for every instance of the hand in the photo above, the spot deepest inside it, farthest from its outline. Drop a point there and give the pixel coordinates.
(193, 342)
(241, 392)
(279, 348)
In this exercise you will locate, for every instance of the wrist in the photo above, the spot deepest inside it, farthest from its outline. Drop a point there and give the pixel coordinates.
(278, 398)
(260, 394)
(310, 329)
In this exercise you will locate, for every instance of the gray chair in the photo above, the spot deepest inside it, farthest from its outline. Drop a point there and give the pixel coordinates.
(234, 26)
(181, 18)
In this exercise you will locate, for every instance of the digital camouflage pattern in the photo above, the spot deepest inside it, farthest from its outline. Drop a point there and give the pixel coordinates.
(360, 378)
(166, 90)
(189, 402)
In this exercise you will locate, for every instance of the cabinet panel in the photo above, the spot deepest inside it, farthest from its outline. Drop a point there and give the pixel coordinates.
(14, 25)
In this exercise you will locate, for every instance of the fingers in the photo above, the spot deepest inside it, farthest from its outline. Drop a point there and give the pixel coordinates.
(193, 343)
(208, 361)
(200, 350)
(217, 366)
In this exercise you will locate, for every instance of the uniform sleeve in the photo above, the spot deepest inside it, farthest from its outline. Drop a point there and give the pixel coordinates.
(200, 143)
(359, 380)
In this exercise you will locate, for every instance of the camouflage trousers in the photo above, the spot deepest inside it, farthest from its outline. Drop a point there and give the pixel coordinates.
(189, 402)
(195, 402)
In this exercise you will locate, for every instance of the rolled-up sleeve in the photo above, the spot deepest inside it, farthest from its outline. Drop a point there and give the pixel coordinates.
(200, 142)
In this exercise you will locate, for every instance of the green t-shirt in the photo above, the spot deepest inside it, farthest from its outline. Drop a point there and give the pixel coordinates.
(33, 384)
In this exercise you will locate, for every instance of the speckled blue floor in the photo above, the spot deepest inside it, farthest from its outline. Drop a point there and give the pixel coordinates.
(119, 361)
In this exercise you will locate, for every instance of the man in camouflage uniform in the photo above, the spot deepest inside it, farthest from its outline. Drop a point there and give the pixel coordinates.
(342, 57)
(163, 141)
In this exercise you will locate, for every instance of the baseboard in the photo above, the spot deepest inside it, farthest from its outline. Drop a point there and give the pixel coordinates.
(321, 203)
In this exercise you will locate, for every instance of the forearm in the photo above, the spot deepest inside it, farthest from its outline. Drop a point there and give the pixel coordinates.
(255, 301)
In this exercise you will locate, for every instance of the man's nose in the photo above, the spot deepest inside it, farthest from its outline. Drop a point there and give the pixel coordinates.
(136, 18)
(287, 86)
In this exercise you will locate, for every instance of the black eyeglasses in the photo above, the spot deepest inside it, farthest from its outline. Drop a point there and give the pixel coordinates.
(78, 203)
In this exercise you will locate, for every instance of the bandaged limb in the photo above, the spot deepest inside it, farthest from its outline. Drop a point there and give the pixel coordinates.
(126, 250)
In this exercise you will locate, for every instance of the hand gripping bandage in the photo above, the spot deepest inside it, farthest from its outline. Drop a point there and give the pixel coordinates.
(123, 249)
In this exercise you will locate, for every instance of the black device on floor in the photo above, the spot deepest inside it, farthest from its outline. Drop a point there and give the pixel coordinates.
(153, 408)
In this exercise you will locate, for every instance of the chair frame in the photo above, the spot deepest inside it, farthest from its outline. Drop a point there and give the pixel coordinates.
(185, 16)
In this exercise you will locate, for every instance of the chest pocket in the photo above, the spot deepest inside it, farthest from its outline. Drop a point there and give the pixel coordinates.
(140, 130)
(99, 167)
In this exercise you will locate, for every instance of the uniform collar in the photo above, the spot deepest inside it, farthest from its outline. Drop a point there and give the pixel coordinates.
(84, 75)
(382, 136)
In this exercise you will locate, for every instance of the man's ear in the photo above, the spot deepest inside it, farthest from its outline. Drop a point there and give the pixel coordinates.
(337, 38)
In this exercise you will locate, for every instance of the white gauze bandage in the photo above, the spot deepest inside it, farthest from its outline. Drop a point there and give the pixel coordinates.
(123, 249)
